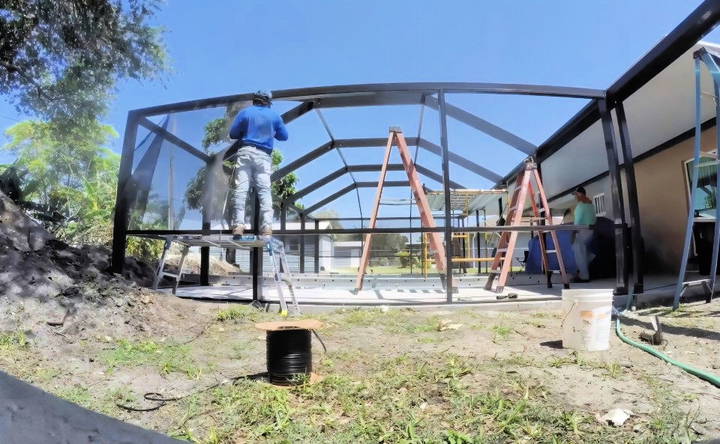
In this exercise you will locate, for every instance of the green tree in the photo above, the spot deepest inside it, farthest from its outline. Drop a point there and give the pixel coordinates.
(385, 247)
(60, 59)
(73, 176)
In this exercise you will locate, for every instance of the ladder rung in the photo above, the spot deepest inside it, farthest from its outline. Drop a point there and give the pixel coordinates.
(164, 273)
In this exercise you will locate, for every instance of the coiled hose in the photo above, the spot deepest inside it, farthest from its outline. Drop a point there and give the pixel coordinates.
(711, 378)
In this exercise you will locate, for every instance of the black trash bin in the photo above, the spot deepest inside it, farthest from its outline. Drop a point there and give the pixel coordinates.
(703, 233)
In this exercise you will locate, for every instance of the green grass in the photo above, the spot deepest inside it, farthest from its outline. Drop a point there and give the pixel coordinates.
(77, 394)
(166, 358)
(14, 341)
(100, 401)
(610, 369)
(393, 320)
(238, 313)
(405, 399)
(501, 331)
(668, 423)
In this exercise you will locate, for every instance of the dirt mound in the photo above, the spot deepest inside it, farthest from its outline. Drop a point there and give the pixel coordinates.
(218, 267)
(46, 280)
(18, 230)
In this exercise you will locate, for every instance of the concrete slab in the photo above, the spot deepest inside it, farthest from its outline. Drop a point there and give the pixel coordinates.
(529, 291)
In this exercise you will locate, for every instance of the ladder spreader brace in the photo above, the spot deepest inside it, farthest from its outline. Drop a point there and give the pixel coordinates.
(274, 247)
(397, 138)
(502, 263)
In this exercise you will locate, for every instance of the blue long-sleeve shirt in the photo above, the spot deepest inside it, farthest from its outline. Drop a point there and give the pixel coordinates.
(257, 126)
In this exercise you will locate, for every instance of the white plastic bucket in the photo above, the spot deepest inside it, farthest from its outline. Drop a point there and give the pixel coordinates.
(586, 319)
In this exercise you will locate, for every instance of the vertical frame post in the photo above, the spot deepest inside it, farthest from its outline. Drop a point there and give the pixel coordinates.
(477, 241)
(680, 285)
(621, 270)
(283, 216)
(446, 189)
(208, 212)
(283, 220)
(256, 254)
(302, 243)
(317, 246)
(638, 247)
(464, 240)
(122, 201)
(716, 228)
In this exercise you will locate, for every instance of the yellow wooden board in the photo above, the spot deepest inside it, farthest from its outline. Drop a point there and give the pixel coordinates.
(300, 324)
(473, 259)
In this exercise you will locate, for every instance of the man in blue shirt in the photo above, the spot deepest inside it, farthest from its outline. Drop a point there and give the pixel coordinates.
(256, 127)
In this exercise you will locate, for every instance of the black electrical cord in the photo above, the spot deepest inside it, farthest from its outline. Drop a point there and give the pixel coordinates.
(285, 365)
(162, 400)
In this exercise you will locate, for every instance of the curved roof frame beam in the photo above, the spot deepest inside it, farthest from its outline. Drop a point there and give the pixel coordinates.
(460, 161)
(428, 146)
(437, 177)
(342, 157)
(359, 90)
(302, 160)
(380, 142)
(484, 126)
(363, 168)
(315, 185)
(351, 187)
(172, 138)
(398, 167)
(330, 198)
(355, 95)
(298, 111)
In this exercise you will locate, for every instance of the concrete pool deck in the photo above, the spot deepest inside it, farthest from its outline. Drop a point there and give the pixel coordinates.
(522, 291)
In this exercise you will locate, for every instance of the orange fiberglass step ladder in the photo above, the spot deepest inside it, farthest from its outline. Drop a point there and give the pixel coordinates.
(396, 137)
(502, 263)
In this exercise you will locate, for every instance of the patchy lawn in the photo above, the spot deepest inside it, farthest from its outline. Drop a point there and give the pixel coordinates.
(458, 376)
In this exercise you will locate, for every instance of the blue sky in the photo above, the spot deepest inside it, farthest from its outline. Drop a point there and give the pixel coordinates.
(226, 47)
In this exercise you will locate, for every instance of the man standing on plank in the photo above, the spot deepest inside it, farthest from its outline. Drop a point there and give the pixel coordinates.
(256, 127)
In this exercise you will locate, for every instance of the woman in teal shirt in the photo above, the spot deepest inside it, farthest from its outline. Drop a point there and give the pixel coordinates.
(584, 215)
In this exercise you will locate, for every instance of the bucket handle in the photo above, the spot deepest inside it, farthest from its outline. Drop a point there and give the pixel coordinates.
(562, 323)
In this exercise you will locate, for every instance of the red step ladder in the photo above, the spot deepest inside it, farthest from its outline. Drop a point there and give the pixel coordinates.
(397, 138)
(502, 263)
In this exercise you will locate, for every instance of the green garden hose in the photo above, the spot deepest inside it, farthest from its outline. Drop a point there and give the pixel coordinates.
(711, 378)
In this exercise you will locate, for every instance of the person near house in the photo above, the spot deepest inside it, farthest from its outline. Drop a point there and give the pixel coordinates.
(584, 215)
(256, 127)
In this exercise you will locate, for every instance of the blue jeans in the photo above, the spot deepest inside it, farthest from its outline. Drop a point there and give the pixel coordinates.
(253, 167)
(583, 256)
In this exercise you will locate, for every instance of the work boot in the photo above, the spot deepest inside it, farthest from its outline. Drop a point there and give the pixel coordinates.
(266, 230)
(237, 232)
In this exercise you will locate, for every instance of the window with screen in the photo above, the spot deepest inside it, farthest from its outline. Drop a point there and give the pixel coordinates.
(705, 194)
(599, 203)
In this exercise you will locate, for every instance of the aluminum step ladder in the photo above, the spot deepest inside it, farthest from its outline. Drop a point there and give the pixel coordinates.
(274, 247)
(712, 63)
(281, 273)
(161, 272)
